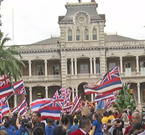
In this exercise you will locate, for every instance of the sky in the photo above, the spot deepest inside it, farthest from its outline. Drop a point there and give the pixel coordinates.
(30, 21)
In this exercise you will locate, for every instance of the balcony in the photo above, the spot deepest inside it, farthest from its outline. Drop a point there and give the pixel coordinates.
(42, 78)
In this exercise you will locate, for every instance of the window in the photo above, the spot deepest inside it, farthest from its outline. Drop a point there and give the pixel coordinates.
(128, 65)
(84, 68)
(69, 68)
(86, 34)
(97, 68)
(56, 70)
(40, 71)
(142, 64)
(77, 34)
(112, 65)
(69, 35)
(94, 34)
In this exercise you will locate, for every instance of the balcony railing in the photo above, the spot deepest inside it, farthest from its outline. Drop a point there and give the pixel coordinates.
(43, 78)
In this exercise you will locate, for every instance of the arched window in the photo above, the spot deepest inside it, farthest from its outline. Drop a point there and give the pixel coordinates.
(86, 34)
(94, 34)
(77, 34)
(69, 35)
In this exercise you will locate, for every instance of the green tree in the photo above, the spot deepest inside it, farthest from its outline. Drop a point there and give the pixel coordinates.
(124, 100)
(9, 63)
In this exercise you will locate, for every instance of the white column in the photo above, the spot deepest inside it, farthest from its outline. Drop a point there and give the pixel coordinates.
(72, 94)
(30, 94)
(75, 66)
(94, 61)
(92, 97)
(76, 92)
(45, 62)
(121, 68)
(138, 92)
(46, 91)
(15, 100)
(137, 64)
(72, 67)
(91, 66)
(30, 68)
(66, 66)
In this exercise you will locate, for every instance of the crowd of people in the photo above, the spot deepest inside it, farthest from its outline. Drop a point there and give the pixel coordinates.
(86, 121)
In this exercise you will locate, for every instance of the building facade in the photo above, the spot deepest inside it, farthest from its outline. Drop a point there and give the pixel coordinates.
(82, 54)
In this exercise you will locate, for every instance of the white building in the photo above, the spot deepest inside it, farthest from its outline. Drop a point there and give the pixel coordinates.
(82, 54)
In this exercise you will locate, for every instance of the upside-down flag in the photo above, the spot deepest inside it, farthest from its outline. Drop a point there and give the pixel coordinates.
(5, 90)
(19, 88)
(101, 96)
(111, 82)
(4, 106)
(76, 104)
(21, 108)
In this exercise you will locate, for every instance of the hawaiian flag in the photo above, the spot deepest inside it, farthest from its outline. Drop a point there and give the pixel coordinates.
(19, 88)
(65, 93)
(36, 104)
(111, 82)
(101, 96)
(5, 90)
(50, 110)
(4, 79)
(66, 108)
(4, 106)
(76, 105)
(21, 107)
(108, 103)
(0, 115)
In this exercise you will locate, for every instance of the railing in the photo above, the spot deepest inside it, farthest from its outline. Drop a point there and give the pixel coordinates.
(83, 76)
(42, 78)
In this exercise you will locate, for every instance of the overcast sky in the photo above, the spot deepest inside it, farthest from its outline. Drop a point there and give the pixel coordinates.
(36, 20)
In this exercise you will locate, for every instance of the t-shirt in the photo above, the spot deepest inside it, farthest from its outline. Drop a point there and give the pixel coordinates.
(9, 131)
(104, 120)
(49, 130)
(97, 127)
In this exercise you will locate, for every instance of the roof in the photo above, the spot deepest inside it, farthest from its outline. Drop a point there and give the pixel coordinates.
(117, 38)
(52, 40)
(108, 38)
(74, 8)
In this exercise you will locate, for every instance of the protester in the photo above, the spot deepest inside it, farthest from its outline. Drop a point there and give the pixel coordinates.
(117, 127)
(37, 125)
(136, 128)
(91, 113)
(3, 132)
(49, 127)
(65, 123)
(7, 128)
(136, 117)
(75, 126)
(105, 118)
(84, 127)
(110, 115)
(96, 125)
(59, 130)
(125, 119)
(23, 128)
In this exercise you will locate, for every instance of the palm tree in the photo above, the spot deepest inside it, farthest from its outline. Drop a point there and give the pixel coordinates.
(9, 64)
(124, 100)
